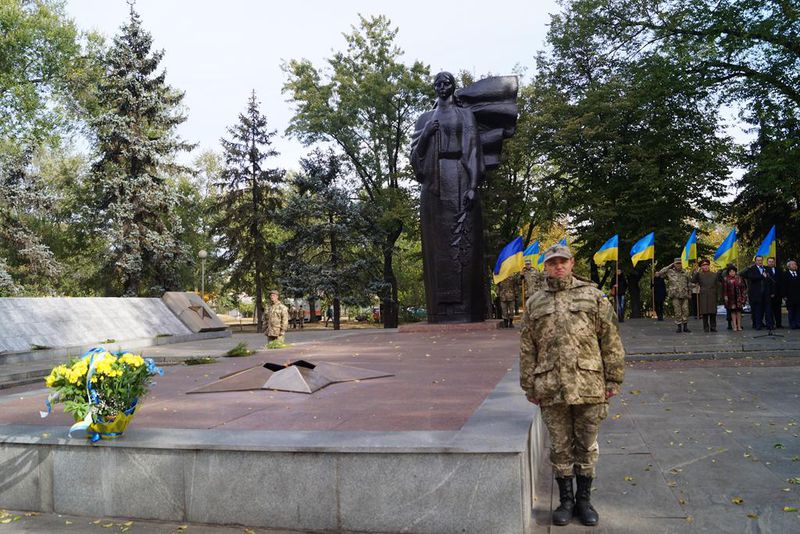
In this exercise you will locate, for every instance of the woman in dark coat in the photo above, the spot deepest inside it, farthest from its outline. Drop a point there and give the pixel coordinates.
(709, 289)
(734, 293)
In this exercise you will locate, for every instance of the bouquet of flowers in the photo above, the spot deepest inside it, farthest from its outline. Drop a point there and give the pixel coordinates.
(101, 389)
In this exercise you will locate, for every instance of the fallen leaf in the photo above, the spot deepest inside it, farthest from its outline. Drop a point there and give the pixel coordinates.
(689, 519)
(108, 525)
(778, 446)
(789, 509)
(628, 478)
(752, 516)
(127, 523)
(737, 500)
(795, 480)
(634, 392)
(617, 416)
(67, 522)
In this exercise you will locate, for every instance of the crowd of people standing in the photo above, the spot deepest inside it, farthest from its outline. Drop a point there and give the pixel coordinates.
(764, 288)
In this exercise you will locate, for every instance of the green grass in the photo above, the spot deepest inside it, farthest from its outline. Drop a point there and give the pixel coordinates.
(276, 344)
(200, 360)
(239, 350)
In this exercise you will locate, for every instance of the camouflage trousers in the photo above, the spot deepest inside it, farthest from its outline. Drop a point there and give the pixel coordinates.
(507, 309)
(681, 309)
(573, 430)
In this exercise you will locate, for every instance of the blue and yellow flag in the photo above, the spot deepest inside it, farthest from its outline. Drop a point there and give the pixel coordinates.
(728, 251)
(509, 261)
(608, 252)
(644, 249)
(768, 248)
(563, 242)
(531, 253)
(689, 250)
(540, 262)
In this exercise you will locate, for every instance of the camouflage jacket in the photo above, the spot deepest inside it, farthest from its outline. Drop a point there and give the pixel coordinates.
(678, 282)
(507, 289)
(276, 319)
(534, 281)
(570, 349)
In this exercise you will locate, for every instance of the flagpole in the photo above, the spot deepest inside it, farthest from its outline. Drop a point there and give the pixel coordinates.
(653, 284)
(616, 286)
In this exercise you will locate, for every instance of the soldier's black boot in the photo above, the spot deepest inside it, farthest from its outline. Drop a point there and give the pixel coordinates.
(563, 514)
(511, 323)
(686, 328)
(583, 507)
(680, 328)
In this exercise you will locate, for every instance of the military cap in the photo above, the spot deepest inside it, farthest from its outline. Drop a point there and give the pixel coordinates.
(704, 261)
(274, 292)
(677, 260)
(557, 251)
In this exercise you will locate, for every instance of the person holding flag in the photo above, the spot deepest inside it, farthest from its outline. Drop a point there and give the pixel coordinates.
(532, 278)
(757, 279)
(610, 252)
(768, 249)
(727, 254)
(506, 275)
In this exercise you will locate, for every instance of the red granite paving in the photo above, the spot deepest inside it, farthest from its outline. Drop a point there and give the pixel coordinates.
(440, 380)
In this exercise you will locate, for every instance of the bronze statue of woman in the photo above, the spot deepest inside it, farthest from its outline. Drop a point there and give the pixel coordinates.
(448, 160)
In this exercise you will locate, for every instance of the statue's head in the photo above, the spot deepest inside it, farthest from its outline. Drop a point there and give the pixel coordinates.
(444, 84)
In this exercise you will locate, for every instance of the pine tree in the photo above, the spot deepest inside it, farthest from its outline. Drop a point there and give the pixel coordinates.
(136, 141)
(328, 254)
(247, 206)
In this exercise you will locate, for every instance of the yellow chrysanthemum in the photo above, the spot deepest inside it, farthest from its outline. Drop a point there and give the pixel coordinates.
(131, 359)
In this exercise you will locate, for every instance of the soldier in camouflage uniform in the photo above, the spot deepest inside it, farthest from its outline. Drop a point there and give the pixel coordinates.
(533, 279)
(571, 363)
(276, 318)
(507, 291)
(679, 285)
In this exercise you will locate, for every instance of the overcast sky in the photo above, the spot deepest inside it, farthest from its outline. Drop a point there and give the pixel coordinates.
(218, 51)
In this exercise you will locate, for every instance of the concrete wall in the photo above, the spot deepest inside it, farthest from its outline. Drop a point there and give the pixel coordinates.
(475, 480)
(65, 322)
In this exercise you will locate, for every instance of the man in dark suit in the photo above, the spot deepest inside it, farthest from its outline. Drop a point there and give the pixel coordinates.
(776, 274)
(756, 277)
(790, 289)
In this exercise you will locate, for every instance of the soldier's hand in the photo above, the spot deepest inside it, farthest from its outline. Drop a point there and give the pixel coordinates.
(532, 400)
(610, 393)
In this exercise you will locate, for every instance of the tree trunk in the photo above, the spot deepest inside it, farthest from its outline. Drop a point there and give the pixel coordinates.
(389, 306)
(337, 313)
(635, 293)
(312, 310)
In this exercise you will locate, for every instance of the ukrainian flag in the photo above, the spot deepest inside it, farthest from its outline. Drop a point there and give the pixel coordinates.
(540, 263)
(689, 250)
(608, 252)
(728, 251)
(768, 248)
(644, 249)
(509, 261)
(563, 242)
(532, 253)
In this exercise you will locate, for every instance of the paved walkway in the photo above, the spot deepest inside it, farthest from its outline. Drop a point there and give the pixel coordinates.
(689, 446)
(692, 447)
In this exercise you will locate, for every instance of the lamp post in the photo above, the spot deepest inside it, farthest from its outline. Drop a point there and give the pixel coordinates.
(202, 255)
